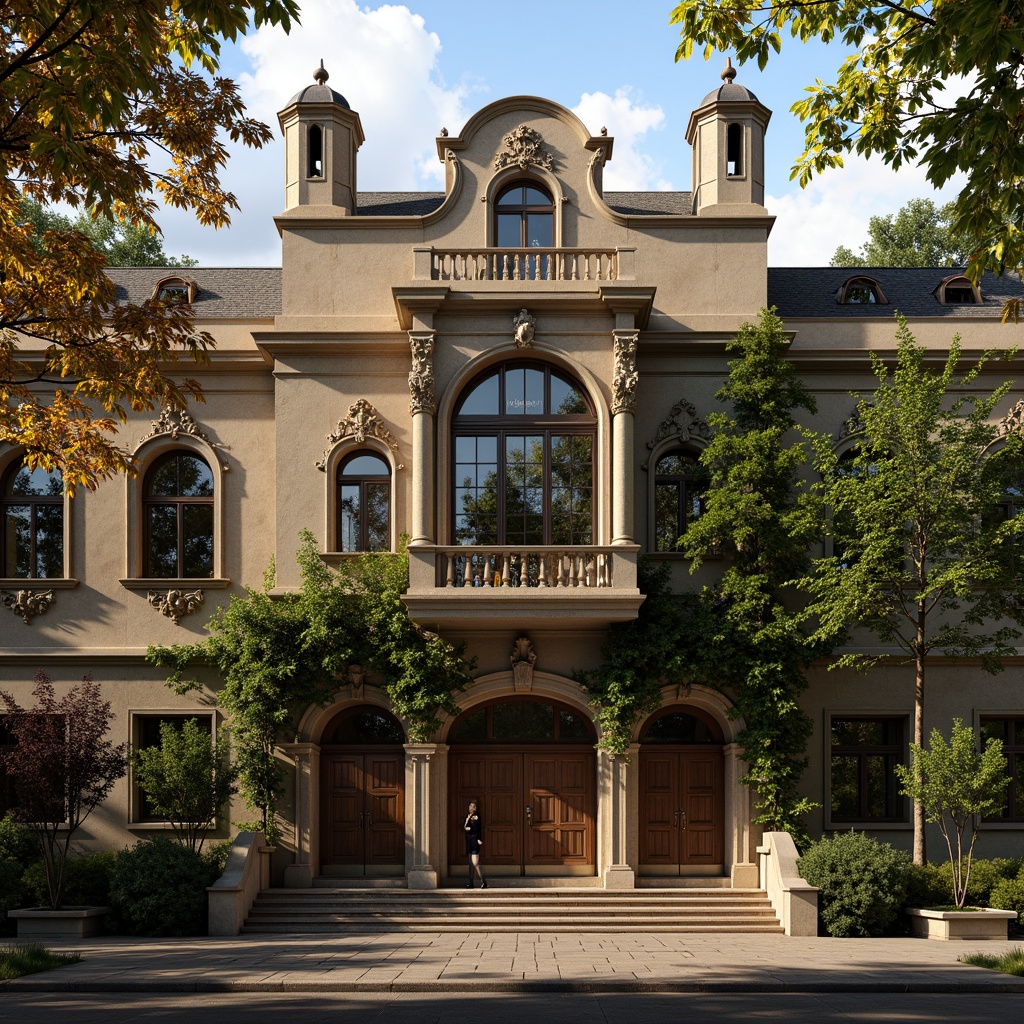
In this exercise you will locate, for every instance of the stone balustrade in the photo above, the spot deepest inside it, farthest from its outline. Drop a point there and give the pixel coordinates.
(524, 265)
(542, 567)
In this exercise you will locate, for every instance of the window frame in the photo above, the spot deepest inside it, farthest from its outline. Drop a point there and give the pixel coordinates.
(536, 177)
(8, 470)
(524, 210)
(350, 456)
(179, 502)
(961, 282)
(672, 447)
(1014, 753)
(843, 299)
(335, 457)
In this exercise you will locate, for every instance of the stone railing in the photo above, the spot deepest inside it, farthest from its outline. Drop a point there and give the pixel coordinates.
(489, 264)
(558, 566)
(246, 874)
(793, 899)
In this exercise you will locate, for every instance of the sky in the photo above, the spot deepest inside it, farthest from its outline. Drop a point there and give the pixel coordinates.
(410, 70)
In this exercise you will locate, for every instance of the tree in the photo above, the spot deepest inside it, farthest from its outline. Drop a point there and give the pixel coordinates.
(919, 235)
(62, 767)
(957, 785)
(72, 360)
(757, 513)
(188, 779)
(890, 95)
(924, 551)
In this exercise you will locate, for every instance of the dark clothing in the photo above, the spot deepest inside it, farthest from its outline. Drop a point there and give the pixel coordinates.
(474, 833)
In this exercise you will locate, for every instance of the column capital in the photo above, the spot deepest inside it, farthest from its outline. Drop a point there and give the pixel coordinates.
(421, 376)
(625, 377)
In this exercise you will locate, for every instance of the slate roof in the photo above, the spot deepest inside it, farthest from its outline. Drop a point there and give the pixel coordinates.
(814, 291)
(405, 204)
(677, 204)
(230, 292)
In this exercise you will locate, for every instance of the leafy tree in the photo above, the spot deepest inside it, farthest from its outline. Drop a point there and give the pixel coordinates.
(924, 556)
(889, 97)
(957, 785)
(919, 235)
(187, 779)
(62, 767)
(72, 360)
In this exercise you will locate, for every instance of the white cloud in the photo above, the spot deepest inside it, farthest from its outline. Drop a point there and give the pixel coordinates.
(628, 121)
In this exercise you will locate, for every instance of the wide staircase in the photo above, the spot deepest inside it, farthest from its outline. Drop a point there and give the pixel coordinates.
(549, 909)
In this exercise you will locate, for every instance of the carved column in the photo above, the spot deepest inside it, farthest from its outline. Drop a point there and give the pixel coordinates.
(307, 823)
(421, 404)
(620, 819)
(739, 845)
(423, 819)
(624, 383)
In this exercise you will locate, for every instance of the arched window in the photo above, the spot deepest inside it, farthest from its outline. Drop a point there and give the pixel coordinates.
(524, 217)
(862, 291)
(682, 728)
(523, 438)
(364, 503)
(522, 721)
(178, 512)
(315, 139)
(33, 523)
(679, 484)
(734, 151)
(958, 291)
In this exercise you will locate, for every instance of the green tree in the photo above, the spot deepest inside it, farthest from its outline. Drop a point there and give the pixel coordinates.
(188, 779)
(918, 235)
(758, 514)
(94, 96)
(924, 555)
(889, 95)
(957, 785)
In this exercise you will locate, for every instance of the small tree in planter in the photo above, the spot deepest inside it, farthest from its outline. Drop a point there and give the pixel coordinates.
(61, 766)
(957, 785)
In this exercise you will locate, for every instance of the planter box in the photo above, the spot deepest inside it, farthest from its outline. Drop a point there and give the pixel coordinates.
(66, 923)
(960, 924)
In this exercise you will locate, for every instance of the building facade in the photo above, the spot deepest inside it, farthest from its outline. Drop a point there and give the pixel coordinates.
(514, 373)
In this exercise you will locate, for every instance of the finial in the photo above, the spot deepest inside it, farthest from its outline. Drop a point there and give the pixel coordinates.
(320, 76)
(444, 133)
(729, 73)
(604, 130)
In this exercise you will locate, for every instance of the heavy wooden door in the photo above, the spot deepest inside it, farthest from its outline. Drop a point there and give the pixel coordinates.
(495, 781)
(559, 789)
(362, 823)
(681, 809)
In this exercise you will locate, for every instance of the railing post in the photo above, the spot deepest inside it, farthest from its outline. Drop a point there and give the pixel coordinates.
(422, 263)
(542, 573)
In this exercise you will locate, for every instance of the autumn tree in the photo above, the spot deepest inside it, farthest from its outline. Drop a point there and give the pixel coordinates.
(896, 95)
(73, 361)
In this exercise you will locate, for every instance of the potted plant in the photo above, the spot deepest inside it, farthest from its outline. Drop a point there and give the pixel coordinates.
(62, 766)
(957, 785)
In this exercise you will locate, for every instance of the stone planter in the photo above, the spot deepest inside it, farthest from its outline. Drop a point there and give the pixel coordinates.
(66, 923)
(960, 924)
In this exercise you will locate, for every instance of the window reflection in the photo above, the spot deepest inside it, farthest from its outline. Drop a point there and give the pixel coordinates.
(33, 523)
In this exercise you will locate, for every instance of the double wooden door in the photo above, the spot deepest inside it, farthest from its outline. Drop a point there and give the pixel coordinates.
(681, 810)
(362, 823)
(538, 809)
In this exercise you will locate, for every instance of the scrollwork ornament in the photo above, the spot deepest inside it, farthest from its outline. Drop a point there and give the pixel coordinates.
(362, 421)
(524, 328)
(176, 603)
(683, 423)
(625, 378)
(523, 148)
(853, 424)
(28, 603)
(522, 659)
(421, 377)
(174, 423)
(1012, 422)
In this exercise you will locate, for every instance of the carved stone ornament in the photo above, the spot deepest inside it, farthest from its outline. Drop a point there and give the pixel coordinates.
(524, 327)
(853, 424)
(523, 149)
(683, 423)
(176, 603)
(28, 603)
(1013, 421)
(597, 160)
(174, 423)
(356, 678)
(626, 378)
(523, 658)
(421, 377)
(362, 421)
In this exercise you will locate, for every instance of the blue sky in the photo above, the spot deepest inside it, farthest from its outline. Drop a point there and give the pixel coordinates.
(409, 70)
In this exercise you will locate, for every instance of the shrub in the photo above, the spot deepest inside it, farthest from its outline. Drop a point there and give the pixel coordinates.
(86, 880)
(928, 885)
(17, 842)
(159, 888)
(1008, 894)
(863, 883)
(12, 892)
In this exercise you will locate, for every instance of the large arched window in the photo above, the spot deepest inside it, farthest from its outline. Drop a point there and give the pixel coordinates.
(33, 523)
(523, 437)
(679, 484)
(524, 217)
(364, 503)
(178, 511)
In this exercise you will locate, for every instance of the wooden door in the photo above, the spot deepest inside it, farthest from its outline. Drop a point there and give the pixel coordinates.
(559, 793)
(495, 782)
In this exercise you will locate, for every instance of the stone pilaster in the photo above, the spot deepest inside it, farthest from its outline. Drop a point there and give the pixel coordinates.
(306, 756)
(619, 835)
(422, 407)
(423, 818)
(624, 385)
(740, 862)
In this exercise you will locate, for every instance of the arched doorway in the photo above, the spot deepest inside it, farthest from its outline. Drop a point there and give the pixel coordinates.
(530, 765)
(362, 805)
(682, 814)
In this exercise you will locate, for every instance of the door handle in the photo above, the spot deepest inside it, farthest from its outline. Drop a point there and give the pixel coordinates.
(529, 814)
(369, 820)
(681, 818)
(360, 819)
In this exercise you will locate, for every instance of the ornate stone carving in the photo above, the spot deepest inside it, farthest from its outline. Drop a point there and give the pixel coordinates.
(523, 149)
(362, 421)
(356, 678)
(1013, 421)
(523, 658)
(524, 326)
(853, 424)
(683, 423)
(176, 603)
(421, 377)
(597, 160)
(173, 423)
(626, 378)
(28, 603)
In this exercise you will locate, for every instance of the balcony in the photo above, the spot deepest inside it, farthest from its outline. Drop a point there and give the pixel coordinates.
(561, 266)
(522, 587)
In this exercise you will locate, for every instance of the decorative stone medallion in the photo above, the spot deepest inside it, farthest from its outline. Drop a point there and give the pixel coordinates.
(362, 421)
(176, 603)
(523, 148)
(28, 603)
(524, 328)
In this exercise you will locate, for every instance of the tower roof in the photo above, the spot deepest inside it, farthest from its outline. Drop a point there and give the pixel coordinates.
(729, 91)
(319, 91)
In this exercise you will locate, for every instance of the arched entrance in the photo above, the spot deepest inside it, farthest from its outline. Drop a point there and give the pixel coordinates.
(682, 815)
(362, 803)
(530, 765)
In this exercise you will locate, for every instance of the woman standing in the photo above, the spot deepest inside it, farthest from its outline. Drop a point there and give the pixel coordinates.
(474, 830)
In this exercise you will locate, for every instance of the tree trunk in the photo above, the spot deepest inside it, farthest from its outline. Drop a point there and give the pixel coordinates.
(919, 850)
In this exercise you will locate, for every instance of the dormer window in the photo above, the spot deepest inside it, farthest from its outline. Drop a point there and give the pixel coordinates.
(524, 217)
(175, 289)
(862, 291)
(734, 151)
(958, 291)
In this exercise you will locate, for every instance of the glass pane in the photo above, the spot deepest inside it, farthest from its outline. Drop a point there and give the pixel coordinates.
(185, 476)
(483, 399)
(163, 541)
(349, 512)
(49, 541)
(513, 197)
(676, 464)
(565, 399)
(845, 788)
(678, 727)
(35, 482)
(666, 517)
(18, 540)
(535, 197)
(510, 231)
(993, 729)
(534, 392)
(515, 392)
(365, 465)
(370, 727)
(871, 732)
(522, 721)
(572, 727)
(539, 230)
(487, 450)
(198, 541)
(378, 500)
(473, 727)
(881, 783)
(1018, 732)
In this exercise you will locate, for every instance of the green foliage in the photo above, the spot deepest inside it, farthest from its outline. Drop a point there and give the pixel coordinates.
(888, 96)
(956, 786)
(12, 891)
(863, 884)
(159, 888)
(1008, 894)
(1007, 963)
(17, 961)
(918, 235)
(188, 779)
(17, 842)
(86, 881)
(18, 849)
